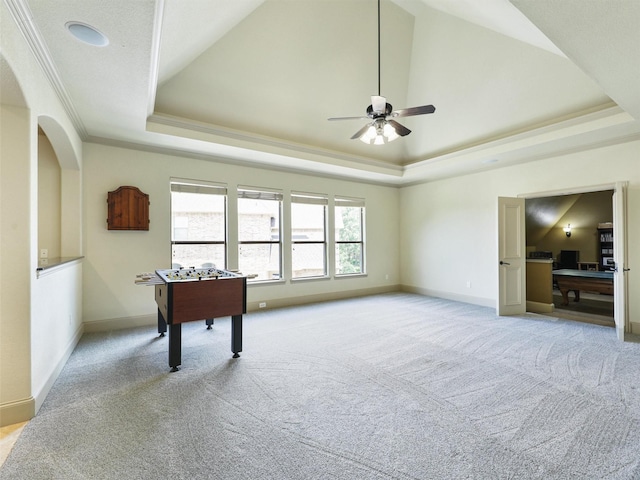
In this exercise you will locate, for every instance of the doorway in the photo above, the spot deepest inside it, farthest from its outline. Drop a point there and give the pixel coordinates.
(512, 296)
(569, 230)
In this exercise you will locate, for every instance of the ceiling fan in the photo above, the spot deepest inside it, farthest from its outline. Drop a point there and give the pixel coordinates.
(382, 128)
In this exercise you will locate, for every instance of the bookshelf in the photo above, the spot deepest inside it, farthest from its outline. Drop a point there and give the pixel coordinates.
(605, 249)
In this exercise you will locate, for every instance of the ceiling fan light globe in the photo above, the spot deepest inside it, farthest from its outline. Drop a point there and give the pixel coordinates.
(371, 131)
(369, 135)
(390, 132)
(379, 140)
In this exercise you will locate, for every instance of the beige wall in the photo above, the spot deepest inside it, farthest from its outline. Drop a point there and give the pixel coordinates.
(113, 258)
(49, 196)
(449, 228)
(15, 274)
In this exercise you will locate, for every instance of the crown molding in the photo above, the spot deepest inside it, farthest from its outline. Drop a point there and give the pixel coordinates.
(215, 134)
(347, 175)
(155, 56)
(24, 20)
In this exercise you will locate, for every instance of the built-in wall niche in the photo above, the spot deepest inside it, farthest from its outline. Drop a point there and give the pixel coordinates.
(49, 200)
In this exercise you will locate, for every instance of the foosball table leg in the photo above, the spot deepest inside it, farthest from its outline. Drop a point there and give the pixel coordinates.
(162, 325)
(175, 346)
(209, 322)
(236, 335)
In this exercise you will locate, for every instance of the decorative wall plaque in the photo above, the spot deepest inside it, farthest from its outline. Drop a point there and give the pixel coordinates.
(128, 209)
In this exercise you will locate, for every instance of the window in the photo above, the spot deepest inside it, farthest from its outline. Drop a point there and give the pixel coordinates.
(349, 223)
(259, 245)
(308, 235)
(198, 224)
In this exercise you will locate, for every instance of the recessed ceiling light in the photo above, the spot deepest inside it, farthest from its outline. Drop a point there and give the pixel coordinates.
(87, 34)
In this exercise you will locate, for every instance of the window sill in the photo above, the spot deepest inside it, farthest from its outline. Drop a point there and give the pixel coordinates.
(310, 279)
(349, 275)
(279, 281)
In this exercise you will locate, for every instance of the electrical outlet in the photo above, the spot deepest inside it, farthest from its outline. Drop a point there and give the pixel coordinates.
(468, 283)
(262, 305)
(44, 253)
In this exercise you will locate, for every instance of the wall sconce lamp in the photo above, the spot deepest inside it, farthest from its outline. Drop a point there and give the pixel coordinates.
(567, 230)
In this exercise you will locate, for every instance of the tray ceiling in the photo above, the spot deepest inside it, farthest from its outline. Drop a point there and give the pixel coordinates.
(254, 81)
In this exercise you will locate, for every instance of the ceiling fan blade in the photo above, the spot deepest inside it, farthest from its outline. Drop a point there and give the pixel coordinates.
(407, 112)
(348, 118)
(400, 129)
(360, 132)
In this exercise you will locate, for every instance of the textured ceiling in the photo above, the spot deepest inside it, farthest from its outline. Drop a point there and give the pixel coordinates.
(254, 81)
(483, 84)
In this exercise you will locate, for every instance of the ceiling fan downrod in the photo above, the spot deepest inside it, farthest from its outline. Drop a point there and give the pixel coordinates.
(379, 61)
(381, 130)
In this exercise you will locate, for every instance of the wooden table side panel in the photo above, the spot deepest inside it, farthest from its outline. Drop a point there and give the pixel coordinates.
(208, 299)
(162, 300)
(587, 284)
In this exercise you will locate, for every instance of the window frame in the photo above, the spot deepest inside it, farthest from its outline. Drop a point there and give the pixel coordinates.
(204, 188)
(261, 193)
(311, 199)
(340, 202)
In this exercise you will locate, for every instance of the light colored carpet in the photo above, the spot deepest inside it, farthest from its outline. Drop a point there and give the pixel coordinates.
(396, 386)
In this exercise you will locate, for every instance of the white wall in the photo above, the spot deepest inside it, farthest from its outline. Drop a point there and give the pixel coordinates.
(113, 258)
(24, 364)
(56, 325)
(449, 227)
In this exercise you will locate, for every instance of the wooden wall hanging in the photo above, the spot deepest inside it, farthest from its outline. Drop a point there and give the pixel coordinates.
(128, 209)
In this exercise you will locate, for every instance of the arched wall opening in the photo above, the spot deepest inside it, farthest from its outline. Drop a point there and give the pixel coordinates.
(16, 401)
(59, 192)
(49, 201)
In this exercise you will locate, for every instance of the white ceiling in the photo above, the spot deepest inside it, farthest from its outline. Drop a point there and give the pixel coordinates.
(254, 81)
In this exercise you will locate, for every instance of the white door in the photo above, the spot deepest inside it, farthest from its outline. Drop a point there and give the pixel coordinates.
(620, 259)
(511, 257)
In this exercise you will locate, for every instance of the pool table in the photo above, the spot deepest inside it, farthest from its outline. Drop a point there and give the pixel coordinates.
(576, 280)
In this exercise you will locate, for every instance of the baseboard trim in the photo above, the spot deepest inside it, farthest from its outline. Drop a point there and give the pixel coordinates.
(55, 373)
(321, 297)
(538, 307)
(17, 412)
(121, 323)
(483, 302)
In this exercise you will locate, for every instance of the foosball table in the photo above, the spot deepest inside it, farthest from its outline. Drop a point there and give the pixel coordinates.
(191, 294)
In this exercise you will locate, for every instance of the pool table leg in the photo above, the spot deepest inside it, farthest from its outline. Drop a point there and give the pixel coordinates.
(565, 295)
